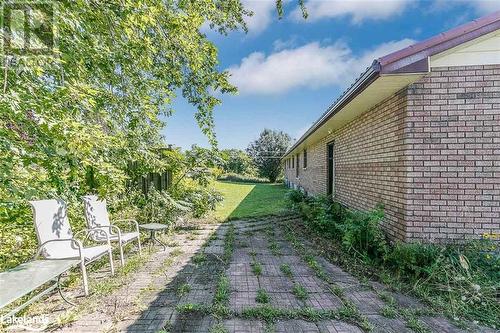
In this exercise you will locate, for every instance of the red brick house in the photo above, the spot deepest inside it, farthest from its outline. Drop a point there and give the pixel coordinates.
(418, 131)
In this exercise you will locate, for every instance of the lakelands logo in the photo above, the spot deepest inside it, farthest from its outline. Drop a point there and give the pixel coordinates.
(30, 324)
(28, 27)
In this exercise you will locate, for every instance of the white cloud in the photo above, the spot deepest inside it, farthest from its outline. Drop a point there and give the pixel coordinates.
(485, 7)
(309, 66)
(481, 7)
(358, 10)
(263, 14)
(281, 44)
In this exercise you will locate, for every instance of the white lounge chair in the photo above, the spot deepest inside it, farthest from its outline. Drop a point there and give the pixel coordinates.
(97, 216)
(56, 240)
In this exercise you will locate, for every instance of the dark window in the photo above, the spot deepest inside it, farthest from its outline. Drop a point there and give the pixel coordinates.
(331, 165)
(293, 161)
(305, 158)
(297, 166)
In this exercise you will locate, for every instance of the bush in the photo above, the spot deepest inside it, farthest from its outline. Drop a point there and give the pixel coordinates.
(361, 233)
(161, 207)
(459, 280)
(202, 200)
(413, 260)
(238, 178)
(295, 197)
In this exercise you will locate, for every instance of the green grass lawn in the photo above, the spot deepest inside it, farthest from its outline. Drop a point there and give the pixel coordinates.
(243, 200)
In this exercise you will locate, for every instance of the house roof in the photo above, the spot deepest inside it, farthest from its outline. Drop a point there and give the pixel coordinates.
(413, 59)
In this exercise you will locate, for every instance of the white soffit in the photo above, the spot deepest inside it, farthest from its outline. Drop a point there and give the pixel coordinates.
(484, 50)
(380, 89)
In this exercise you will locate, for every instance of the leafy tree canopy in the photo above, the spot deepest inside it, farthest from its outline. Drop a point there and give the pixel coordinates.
(266, 152)
(237, 161)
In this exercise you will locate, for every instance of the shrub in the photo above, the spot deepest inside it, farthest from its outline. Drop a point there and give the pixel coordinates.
(459, 280)
(295, 197)
(413, 260)
(203, 200)
(238, 178)
(161, 207)
(361, 233)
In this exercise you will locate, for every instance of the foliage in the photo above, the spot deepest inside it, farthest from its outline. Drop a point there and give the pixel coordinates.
(266, 152)
(300, 292)
(202, 199)
(262, 296)
(238, 178)
(71, 123)
(160, 207)
(461, 280)
(237, 161)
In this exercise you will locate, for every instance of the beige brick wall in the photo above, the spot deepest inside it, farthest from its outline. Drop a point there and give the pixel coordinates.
(368, 163)
(453, 154)
(430, 154)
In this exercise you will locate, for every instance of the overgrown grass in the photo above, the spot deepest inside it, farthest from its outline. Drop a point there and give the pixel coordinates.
(285, 269)
(262, 296)
(459, 281)
(256, 268)
(245, 200)
(183, 289)
(237, 178)
(300, 292)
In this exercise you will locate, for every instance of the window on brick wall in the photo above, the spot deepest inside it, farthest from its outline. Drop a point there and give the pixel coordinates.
(330, 177)
(293, 161)
(305, 158)
(297, 166)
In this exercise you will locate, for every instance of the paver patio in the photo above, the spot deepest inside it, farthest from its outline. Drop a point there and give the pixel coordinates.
(152, 302)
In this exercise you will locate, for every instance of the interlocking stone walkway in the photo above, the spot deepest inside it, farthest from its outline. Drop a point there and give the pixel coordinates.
(151, 302)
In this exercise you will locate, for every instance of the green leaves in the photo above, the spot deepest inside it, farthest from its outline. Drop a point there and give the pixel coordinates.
(266, 152)
(72, 122)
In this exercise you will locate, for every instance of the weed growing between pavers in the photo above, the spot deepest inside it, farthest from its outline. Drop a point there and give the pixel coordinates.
(348, 311)
(410, 316)
(229, 243)
(256, 268)
(300, 292)
(220, 306)
(413, 322)
(274, 247)
(100, 289)
(199, 258)
(389, 311)
(271, 314)
(168, 261)
(262, 296)
(183, 289)
(286, 270)
(192, 308)
(218, 328)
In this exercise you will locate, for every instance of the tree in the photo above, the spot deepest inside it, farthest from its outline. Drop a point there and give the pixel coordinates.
(71, 122)
(237, 161)
(266, 152)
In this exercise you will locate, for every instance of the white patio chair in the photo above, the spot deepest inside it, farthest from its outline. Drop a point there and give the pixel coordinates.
(97, 216)
(56, 240)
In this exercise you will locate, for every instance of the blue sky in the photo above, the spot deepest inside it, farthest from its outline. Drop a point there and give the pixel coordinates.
(289, 71)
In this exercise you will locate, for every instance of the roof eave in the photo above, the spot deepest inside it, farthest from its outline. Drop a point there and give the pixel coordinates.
(371, 74)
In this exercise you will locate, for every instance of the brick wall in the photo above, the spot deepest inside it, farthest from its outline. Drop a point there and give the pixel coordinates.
(452, 141)
(431, 154)
(368, 163)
